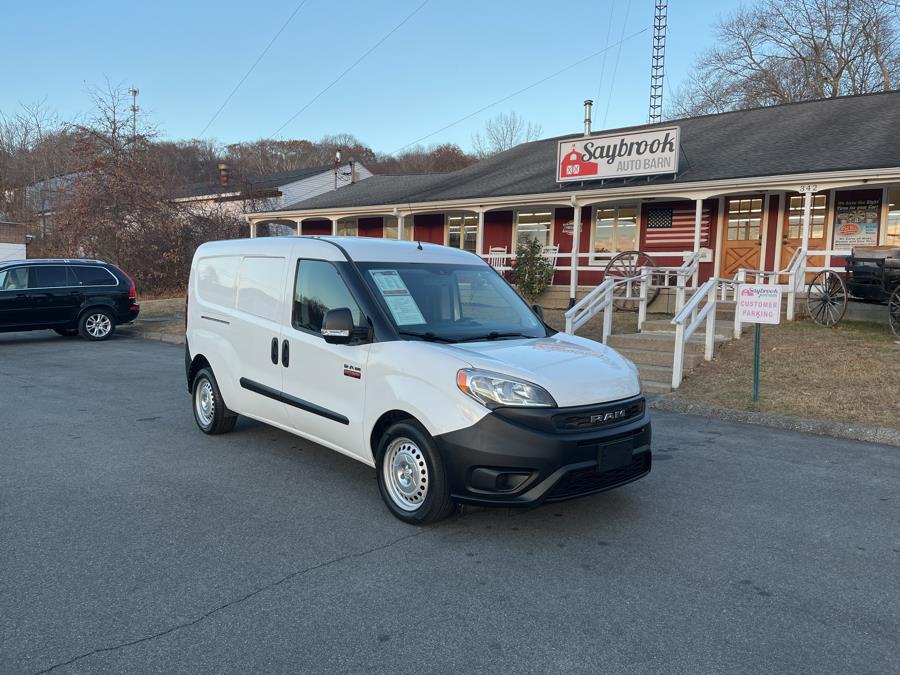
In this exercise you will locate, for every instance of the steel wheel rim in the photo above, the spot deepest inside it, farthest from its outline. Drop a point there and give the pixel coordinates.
(98, 325)
(826, 298)
(405, 473)
(204, 403)
(894, 312)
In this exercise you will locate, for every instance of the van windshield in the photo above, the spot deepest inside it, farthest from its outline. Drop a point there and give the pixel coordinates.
(450, 303)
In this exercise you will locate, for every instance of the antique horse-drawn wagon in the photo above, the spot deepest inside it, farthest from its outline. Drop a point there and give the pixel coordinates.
(872, 274)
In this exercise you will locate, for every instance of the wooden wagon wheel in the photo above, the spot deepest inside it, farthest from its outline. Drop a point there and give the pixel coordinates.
(826, 298)
(629, 264)
(894, 312)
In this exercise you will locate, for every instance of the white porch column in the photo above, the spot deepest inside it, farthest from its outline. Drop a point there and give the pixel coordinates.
(400, 225)
(333, 226)
(252, 228)
(807, 212)
(698, 229)
(479, 235)
(299, 223)
(576, 238)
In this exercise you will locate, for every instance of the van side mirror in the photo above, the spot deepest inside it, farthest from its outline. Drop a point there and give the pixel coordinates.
(337, 326)
(539, 311)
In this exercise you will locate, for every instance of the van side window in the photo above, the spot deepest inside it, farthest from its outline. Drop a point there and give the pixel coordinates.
(318, 289)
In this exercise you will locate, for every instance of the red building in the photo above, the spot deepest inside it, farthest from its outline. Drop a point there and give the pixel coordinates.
(735, 193)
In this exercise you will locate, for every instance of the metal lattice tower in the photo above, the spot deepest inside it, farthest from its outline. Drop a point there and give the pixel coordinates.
(657, 61)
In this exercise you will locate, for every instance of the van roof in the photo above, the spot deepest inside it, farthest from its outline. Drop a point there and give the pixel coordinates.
(360, 249)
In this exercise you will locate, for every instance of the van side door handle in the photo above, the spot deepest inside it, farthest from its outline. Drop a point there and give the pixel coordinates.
(275, 351)
(285, 353)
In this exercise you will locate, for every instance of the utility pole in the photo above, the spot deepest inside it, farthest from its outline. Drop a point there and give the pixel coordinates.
(657, 61)
(134, 91)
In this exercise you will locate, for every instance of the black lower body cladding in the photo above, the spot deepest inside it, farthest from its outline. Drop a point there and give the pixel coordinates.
(518, 457)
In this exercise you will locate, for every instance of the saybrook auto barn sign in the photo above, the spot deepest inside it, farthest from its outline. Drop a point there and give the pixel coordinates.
(639, 153)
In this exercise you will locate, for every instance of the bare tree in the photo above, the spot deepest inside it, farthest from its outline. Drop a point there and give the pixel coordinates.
(503, 132)
(781, 51)
(433, 159)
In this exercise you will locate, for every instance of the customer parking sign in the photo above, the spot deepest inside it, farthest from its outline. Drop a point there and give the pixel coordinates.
(758, 303)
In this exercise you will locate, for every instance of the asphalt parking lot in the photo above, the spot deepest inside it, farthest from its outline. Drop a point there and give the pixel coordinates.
(130, 542)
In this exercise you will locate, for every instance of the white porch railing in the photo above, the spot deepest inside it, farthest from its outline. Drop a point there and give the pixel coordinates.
(690, 318)
(634, 288)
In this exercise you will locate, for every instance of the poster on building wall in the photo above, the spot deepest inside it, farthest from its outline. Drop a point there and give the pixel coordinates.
(640, 153)
(856, 222)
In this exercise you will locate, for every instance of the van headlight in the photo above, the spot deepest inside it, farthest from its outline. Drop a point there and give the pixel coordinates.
(494, 390)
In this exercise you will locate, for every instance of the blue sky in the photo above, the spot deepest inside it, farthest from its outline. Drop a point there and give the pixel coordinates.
(450, 59)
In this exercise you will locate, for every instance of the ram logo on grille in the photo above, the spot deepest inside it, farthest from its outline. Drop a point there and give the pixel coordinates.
(609, 416)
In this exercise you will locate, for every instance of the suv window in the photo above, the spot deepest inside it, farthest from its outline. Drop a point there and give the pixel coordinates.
(14, 279)
(94, 276)
(318, 289)
(48, 276)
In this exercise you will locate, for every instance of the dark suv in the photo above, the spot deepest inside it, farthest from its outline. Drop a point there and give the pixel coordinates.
(87, 297)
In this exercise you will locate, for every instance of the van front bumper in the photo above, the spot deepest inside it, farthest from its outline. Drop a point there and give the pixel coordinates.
(525, 456)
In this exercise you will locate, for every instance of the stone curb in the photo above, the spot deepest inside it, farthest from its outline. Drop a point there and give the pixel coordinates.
(848, 430)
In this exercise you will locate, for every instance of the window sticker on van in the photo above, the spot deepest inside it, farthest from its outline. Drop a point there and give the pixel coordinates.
(396, 296)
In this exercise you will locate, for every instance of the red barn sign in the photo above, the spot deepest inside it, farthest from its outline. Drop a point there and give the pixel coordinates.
(640, 153)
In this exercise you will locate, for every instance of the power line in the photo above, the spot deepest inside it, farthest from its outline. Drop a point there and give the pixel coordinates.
(603, 62)
(349, 68)
(523, 89)
(255, 63)
(612, 83)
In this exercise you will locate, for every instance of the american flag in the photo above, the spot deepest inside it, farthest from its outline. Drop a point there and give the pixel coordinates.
(675, 226)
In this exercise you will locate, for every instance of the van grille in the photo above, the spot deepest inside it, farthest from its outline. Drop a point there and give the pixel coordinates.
(603, 416)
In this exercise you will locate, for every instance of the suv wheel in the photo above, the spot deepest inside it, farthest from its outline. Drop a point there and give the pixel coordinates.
(210, 412)
(411, 475)
(97, 324)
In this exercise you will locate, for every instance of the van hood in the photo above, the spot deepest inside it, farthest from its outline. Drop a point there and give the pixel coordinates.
(575, 371)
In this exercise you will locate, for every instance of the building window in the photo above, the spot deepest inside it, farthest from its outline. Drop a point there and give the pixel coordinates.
(347, 227)
(816, 219)
(893, 219)
(533, 225)
(462, 232)
(615, 230)
(744, 219)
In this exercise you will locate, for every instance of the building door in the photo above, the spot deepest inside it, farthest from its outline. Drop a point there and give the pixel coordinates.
(743, 235)
(792, 229)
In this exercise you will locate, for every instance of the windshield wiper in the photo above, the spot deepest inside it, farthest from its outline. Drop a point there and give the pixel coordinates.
(427, 336)
(493, 335)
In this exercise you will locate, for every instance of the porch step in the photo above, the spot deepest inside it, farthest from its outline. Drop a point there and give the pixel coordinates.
(661, 341)
(651, 387)
(723, 327)
(652, 357)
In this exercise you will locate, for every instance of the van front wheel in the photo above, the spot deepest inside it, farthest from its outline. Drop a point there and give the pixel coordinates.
(210, 412)
(411, 475)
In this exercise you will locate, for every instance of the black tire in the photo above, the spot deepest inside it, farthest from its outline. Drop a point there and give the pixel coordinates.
(418, 506)
(66, 332)
(97, 323)
(210, 412)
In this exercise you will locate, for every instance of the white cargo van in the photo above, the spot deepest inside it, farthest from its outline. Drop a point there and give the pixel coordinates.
(418, 360)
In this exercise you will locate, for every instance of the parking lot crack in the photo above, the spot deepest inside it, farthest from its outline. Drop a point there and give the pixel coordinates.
(237, 601)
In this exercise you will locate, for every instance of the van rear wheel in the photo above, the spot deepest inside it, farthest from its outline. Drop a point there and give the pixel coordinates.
(411, 475)
(210, 411)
